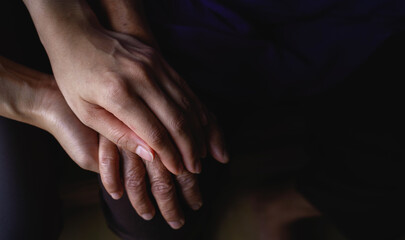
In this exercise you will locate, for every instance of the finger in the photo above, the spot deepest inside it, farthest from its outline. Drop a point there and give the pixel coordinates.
(135, 185)
(133, 113)
(116, 131)
(157, 109)
(163, 190)
(203, 113)
(216, 142)
(176, 122)
(174, 113)
(109, 168)
(189, 105)
(190, 190)
(155, 118)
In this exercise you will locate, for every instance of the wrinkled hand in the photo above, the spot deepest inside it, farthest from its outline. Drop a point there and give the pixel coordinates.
(98, 154)
(127, 17)
(33, 97)
(136, 173)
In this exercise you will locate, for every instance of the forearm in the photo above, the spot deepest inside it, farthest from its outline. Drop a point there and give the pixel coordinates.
(59, 23)
(19, 92)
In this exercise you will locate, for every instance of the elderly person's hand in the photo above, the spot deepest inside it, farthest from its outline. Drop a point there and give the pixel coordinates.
(127, 17)
(121, 87)
(135, 173)
(33, 97)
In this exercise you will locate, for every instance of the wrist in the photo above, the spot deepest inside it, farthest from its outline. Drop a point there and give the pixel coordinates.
(128, 17)
(20, 92)
(60, 21)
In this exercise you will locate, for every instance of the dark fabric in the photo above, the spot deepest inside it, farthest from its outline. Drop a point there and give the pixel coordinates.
(19, 39)
(356, 176)
(350, 138)
(242, 57)
(30, 207)
(279, 49)
(29, 204)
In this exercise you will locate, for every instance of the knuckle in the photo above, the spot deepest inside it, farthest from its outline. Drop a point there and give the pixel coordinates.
(163, 189)
(135, 178)
(115, 89)
(122, 140)
(106, 161)
(179, 123)
(151, 56)
(142, 74)
(141, 69)
(187, 181)
(157, 137)
(86, 116)
(186, 104)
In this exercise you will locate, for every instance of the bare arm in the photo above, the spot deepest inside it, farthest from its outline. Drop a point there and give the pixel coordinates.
(32, 97)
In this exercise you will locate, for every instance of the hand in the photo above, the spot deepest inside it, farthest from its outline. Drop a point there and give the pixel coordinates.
(33, 97)
(127, 17)
(124, 90)
(134, 172)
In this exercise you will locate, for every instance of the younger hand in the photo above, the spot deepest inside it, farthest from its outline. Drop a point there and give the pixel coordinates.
(122, 88)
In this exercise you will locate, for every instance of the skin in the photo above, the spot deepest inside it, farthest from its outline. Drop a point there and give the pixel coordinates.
(92, 151)
(123, 89)
(34, 98)
(126, 17)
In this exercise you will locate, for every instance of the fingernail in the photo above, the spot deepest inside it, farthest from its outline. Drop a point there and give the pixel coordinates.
(176, 224)
(144, 154)
(196, 206)
(115, 196)
(197, 167)
(147, 216)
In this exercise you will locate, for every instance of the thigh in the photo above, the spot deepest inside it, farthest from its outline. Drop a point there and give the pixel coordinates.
(29, 205)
